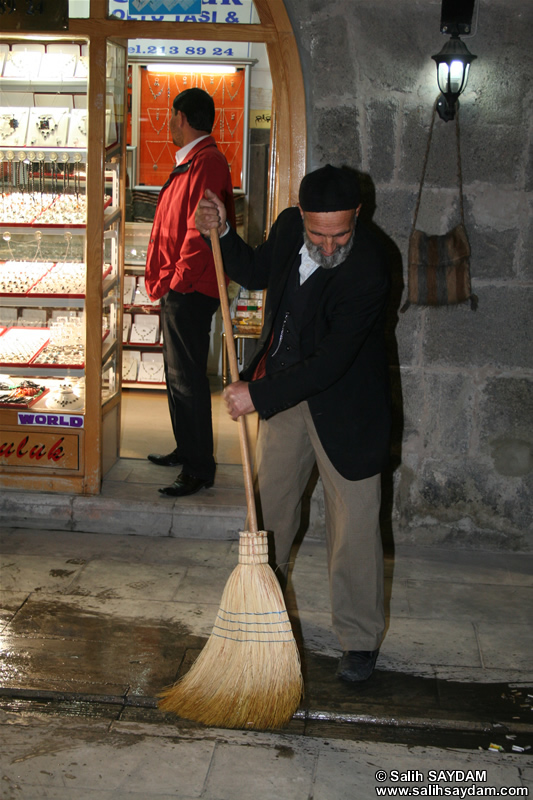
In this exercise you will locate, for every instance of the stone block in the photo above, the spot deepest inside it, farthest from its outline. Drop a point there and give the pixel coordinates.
(409, 405)
(104, 515)
(497, 77)
(497, 334)
(449, 410)
(35, 510)
(407, 335)
(441, 170)
(336, 136)
(381, 123)
(327, 36)
(525, 265)
(480, 161)
(380, 35)
(492, 254)
(414, 123)
(506, 431)
(394, 213)
(465, 503)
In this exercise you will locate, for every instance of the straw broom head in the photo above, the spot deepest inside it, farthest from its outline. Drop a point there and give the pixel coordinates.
(248, 675)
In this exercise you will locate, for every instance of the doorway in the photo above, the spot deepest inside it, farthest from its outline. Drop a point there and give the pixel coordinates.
(242, 93)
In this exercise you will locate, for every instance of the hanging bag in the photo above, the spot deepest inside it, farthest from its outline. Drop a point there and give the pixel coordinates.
(439, 266)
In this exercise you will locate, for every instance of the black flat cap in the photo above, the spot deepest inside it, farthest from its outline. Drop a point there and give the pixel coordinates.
(329, 189)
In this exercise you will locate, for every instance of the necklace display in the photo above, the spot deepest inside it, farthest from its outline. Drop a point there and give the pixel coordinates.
(187, 82)
(151, 372)
(22, 64)
(157, 85)
(65, 397)
(8, 125)
(155, 112)
(224, 123)
(13, 126)
(48, 126)
(229, 156)
(56, 66)
(226, 90)
(208, 85)
(77, 134)
(164, 149)
(129, 370)
(146, 334)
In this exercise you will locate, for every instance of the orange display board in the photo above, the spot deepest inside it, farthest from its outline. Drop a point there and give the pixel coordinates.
(158, 90)
(23, 448)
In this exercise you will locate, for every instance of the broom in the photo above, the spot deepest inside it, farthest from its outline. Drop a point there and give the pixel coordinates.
(248, 675)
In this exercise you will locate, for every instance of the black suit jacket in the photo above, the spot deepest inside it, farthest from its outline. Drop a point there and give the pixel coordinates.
(343, 373)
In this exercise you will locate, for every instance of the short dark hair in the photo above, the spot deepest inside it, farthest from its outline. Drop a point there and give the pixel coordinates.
(198, 107)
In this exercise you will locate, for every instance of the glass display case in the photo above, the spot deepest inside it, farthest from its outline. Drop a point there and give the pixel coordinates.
(142, 356)
(55, 291)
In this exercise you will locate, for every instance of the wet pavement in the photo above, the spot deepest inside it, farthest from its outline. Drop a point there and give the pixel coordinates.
(93, 626)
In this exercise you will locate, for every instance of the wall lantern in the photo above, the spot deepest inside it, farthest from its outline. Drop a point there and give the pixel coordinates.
(453, 64)
(453, 61)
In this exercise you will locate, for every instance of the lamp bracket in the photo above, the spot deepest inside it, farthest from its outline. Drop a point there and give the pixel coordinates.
(446, 111)
(456, 17)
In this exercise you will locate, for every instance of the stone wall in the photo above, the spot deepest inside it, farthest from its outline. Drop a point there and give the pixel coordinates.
(462, 470)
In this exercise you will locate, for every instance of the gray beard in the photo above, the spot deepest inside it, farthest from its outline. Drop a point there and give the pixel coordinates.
(328, 262)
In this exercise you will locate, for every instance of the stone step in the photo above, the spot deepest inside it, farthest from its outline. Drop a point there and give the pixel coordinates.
(129, 503)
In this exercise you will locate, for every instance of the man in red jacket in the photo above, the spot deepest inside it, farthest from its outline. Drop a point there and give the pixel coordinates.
(180, 272)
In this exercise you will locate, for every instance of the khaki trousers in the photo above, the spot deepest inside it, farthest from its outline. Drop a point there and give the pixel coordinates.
(287, 448)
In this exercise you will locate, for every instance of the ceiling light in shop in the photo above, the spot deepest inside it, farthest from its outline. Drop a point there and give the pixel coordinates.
(210, 69)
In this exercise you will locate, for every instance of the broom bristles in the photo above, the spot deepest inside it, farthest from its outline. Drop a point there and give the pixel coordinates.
(248, 675)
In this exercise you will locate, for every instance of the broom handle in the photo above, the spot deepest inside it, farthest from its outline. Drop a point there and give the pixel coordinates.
(234, 372)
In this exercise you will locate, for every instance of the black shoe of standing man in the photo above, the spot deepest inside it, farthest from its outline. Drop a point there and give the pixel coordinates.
(170, 460)
(356, 665)
(185, 484)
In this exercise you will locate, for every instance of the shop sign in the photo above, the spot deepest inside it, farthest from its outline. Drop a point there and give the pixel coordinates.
(21, 16)
(151, 7)
(230, 12)
(162, 49)
(39, 450)
(260, 118)
(51, 420)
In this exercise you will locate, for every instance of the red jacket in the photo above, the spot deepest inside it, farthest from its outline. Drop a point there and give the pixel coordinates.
(178, 257)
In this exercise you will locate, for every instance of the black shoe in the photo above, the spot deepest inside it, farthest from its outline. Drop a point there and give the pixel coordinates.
(356, 665)
(172, 460)
(184, 485)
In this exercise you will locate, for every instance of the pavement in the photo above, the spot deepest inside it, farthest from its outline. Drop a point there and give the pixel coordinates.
(94, 624)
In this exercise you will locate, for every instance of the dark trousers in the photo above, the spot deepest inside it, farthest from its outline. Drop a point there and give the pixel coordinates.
(186, 325)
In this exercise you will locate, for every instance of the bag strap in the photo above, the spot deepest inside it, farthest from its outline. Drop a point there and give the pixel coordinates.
(426, 157)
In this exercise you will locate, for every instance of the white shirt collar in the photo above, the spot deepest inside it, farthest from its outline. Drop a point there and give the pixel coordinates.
(307, 265)
(183, 152)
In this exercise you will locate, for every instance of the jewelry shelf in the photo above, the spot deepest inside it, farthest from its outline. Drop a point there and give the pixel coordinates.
(141, 309)
(143, 385)
(69, 86)
(65, 155)
(32, 372)
(139, 345)
(53, 301)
